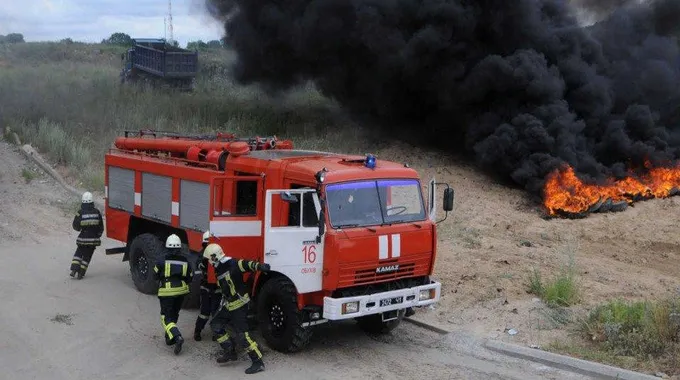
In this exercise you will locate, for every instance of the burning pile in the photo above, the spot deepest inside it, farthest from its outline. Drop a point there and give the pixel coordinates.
(566, 195)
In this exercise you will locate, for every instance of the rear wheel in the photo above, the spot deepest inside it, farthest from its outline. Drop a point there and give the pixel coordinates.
(374, 325)
(279, 318)
(145, 251)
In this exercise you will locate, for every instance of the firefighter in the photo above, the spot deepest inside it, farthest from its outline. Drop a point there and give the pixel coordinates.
(174, 276)
(233, 308)
(210, 293)
(88, 220)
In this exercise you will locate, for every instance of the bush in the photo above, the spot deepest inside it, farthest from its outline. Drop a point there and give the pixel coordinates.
(641, 328)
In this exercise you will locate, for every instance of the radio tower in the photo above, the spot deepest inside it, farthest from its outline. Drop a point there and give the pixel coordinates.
(172, 37)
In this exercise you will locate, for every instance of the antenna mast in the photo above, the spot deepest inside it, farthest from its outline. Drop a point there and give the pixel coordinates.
(172, 37)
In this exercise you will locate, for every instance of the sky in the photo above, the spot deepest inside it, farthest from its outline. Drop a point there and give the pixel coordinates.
(94, 20)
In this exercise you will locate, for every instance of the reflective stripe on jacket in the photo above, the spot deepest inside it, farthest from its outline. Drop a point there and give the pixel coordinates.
(230, 279)
(174, 276)
(88, 220)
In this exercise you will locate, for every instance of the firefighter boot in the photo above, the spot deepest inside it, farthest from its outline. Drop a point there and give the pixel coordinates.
(178, 344)
(228, 352)
(197, 335)
(227, 356)
(257, 366)
(73, 273)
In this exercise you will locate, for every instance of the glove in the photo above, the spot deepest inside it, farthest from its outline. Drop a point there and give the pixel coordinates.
(264, 267)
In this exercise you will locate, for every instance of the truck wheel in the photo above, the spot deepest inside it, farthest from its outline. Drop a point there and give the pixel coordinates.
(145, 250)
(374, 325)
(279, 318)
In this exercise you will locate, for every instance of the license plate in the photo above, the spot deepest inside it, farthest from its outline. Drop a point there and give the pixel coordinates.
(391, 301)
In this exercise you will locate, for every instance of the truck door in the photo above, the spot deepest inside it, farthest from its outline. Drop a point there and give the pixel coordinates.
(290, 237)
(236, 217)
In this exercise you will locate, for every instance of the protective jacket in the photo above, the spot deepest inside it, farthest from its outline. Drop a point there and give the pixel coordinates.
(207, 273)
(88, 221)
(230, 279)
(173, 274)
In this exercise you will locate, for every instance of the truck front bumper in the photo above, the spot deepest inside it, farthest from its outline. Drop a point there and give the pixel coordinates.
(352, 307)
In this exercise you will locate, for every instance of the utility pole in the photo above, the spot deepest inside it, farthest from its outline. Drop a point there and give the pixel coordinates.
(172, 37)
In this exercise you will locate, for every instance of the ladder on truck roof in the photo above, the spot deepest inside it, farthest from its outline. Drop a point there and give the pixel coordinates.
(208, 150)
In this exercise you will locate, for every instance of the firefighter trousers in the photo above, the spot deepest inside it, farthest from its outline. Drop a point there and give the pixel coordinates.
(210, 302)
(81, 259)
(237, 320)
(170, 307)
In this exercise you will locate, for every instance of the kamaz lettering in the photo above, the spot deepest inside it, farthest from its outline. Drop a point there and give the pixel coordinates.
(387, 269)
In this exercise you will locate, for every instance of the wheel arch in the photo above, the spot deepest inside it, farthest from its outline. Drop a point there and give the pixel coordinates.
(138, 226)
(261, 279)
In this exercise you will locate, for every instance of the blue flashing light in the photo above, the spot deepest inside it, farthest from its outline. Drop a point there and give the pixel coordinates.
(370, 161)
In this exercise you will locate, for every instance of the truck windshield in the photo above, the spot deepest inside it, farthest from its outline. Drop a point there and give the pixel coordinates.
(367, 203)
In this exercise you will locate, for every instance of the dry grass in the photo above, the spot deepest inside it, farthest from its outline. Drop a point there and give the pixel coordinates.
(66, 100)
(638, 335)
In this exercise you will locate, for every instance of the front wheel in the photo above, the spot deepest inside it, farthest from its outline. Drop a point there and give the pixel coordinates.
(279, 318)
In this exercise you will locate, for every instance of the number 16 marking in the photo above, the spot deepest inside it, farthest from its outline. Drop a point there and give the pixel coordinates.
(309, 253)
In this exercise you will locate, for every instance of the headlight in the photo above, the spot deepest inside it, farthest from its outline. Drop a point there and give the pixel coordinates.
(350, 307)
(427, 294)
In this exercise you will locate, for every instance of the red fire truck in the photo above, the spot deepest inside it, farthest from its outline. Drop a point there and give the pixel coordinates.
(346, 236)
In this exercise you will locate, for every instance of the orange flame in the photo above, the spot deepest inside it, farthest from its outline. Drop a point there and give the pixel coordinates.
(565, 193)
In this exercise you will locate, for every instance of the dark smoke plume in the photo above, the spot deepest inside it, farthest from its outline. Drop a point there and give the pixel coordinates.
(517, 84)
(601, 6)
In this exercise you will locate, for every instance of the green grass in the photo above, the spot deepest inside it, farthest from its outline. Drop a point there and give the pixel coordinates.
(562, 290)
(638, 335)
(639, 328)
(67, 101)
(28, 175)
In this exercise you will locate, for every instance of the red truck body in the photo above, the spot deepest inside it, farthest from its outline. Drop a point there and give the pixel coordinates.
(346, 236)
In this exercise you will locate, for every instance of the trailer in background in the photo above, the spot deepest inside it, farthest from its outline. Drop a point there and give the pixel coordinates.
(156, 62)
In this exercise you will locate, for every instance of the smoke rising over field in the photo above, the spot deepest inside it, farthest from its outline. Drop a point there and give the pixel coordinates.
(516, 84)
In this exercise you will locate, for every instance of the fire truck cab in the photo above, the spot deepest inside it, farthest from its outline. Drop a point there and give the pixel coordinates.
(346, 236)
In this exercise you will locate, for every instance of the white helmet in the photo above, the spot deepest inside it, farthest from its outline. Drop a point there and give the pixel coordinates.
(173, 242)
(87, 197)
(206, 236)
(214, 253)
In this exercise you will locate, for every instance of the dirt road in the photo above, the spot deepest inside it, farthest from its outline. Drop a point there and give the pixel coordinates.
(55, 327)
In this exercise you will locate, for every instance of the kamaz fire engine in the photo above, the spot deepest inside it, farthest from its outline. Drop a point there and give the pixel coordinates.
(346, 236)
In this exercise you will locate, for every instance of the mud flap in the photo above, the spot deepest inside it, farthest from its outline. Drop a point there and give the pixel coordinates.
(115, 251)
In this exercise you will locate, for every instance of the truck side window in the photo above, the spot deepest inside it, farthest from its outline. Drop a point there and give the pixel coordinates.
(246, 198)
(308, 213)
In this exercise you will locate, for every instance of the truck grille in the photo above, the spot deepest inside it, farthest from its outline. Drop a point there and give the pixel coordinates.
(361, 273)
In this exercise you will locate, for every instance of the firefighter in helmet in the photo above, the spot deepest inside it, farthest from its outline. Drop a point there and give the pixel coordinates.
(233, 308)
(88, 220)
(174, 276)
(210, 292)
